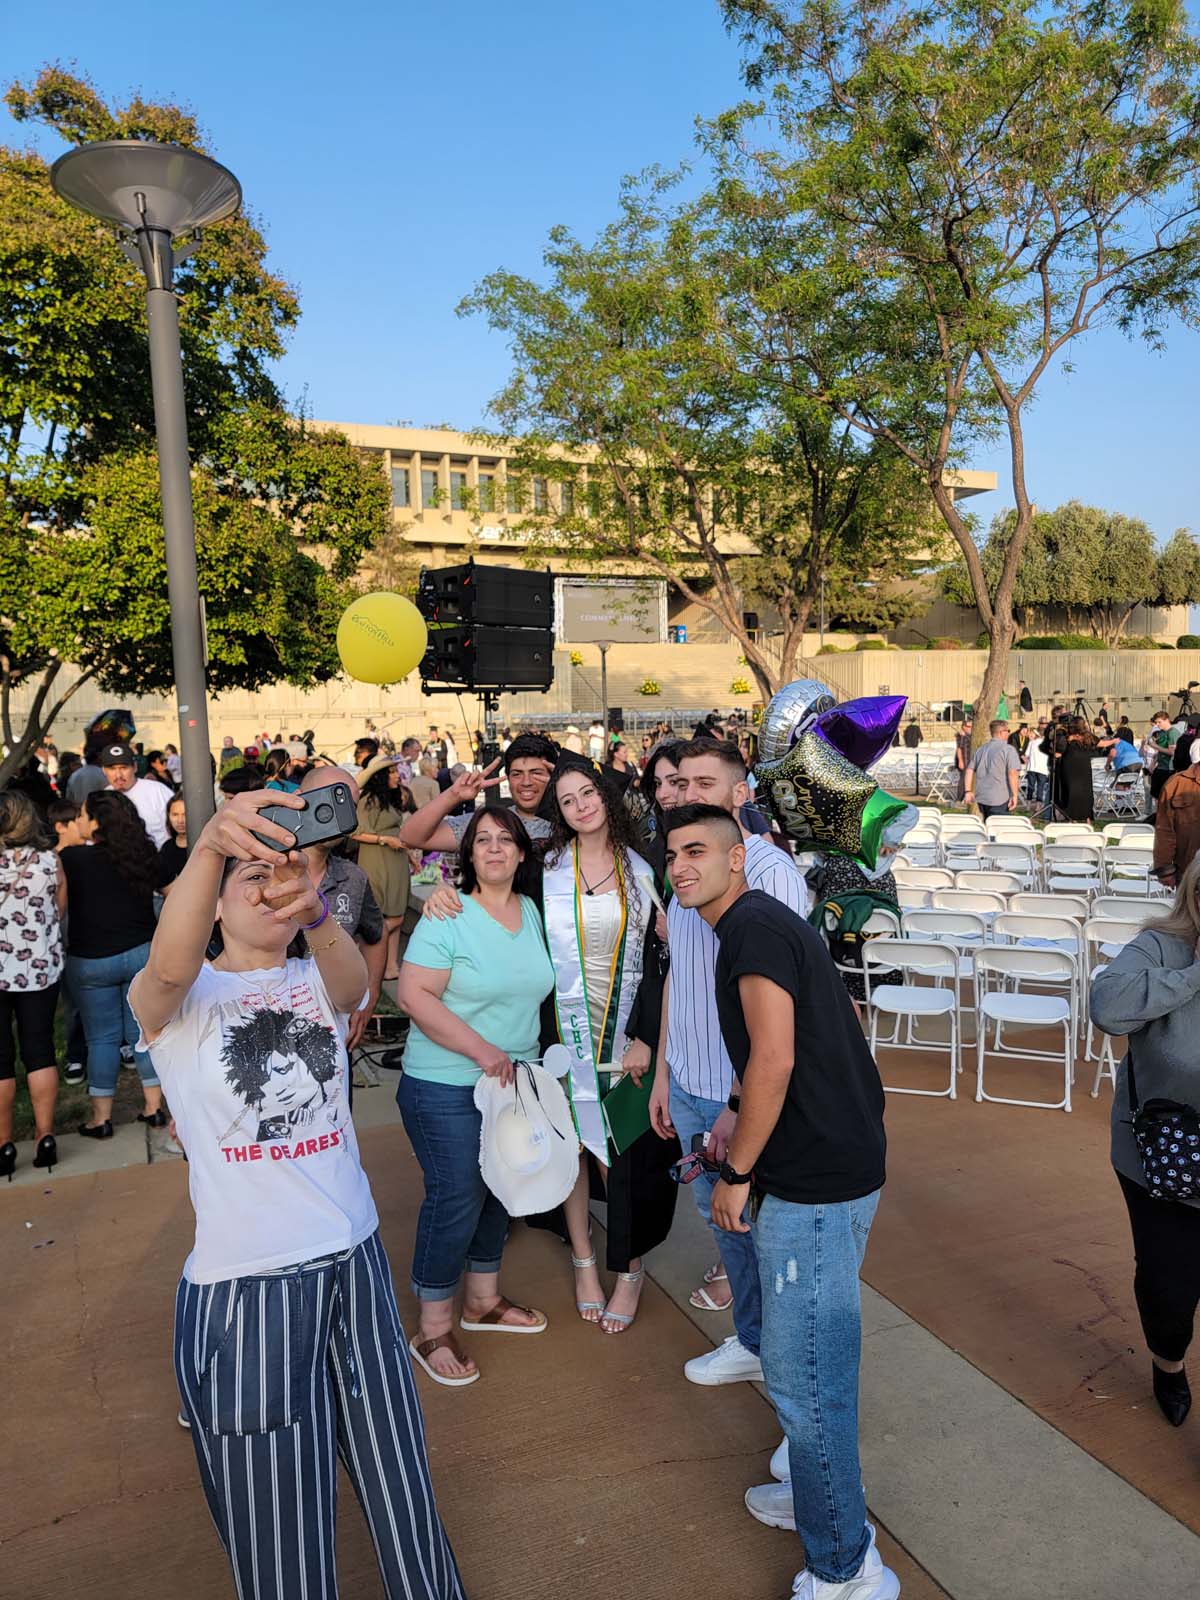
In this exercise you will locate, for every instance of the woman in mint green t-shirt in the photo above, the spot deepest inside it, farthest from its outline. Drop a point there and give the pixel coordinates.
(473, 987)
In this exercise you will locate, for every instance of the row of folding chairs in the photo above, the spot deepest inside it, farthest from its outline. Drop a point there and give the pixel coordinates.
(1076, 865)
(1056, 956)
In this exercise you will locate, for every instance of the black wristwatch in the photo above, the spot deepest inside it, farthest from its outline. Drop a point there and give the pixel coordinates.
(733, 1178)
(734, 1103)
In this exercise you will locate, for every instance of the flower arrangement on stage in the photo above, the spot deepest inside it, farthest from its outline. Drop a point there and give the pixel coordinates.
(650, 686)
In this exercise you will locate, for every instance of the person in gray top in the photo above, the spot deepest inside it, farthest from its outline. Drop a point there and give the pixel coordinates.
(1150, 993)
(994, 775)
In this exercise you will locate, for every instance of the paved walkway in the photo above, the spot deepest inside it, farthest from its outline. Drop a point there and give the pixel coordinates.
(1011, 1447)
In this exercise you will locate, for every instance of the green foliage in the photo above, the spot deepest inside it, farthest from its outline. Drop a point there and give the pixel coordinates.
(1188, 641)
(1142, 641)
(873, 644)
(1093, 565)
(959, 192)
(740, 494)
(945, 644)
(283, 513)
(1062, 641)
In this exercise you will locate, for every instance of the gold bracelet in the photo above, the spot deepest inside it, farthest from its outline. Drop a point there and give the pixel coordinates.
(319, 949)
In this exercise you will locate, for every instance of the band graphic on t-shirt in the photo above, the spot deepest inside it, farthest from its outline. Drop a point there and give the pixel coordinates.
(285, 1068)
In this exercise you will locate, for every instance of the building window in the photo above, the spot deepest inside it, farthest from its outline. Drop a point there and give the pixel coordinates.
(458, 490)
(487, 491)
(429, 486)
(541, 496)
(400, 487)
(513, 497)
(567, 492)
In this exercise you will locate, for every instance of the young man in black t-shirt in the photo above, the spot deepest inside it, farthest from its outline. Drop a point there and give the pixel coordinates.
(807, 1153)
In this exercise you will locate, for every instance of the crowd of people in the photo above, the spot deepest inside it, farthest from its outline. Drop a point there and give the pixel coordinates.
(633, 906)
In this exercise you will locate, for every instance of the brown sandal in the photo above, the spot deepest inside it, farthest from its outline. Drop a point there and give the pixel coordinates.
(493, 1321)
(444, 1341)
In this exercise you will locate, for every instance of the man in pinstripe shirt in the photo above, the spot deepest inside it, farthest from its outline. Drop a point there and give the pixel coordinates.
(694, 1086)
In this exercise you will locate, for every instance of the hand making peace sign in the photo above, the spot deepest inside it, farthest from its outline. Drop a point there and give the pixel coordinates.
(472, 784)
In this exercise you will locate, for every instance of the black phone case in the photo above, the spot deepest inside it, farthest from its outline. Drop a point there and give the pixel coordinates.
(329, 813)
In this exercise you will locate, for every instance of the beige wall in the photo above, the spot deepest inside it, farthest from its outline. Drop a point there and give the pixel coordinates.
(692, 676)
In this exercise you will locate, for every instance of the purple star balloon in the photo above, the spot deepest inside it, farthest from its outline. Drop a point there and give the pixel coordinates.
(862, 730)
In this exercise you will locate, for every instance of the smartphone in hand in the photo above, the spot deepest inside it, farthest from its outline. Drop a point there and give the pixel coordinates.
(329, 813)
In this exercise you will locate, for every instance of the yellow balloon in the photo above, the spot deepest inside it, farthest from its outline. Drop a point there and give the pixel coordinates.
(381, 637)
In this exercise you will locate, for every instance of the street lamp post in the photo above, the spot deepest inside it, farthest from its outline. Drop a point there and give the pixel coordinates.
(604, 647)
(154, 193)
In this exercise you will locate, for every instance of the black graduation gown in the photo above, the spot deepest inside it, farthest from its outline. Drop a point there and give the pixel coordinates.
(640, 1194)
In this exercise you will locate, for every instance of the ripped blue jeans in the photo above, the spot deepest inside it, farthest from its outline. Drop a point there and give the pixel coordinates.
(808, 1263)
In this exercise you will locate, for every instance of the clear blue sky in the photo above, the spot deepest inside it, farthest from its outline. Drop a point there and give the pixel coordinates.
(396, 153)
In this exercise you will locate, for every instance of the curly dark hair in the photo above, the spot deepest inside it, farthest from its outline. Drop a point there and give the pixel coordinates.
(250, 1045)
(621, 833)
(527, 745)
(121, 834)
(526, 878)
(666, 750)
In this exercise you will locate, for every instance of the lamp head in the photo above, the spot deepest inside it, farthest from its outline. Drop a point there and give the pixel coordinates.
(180, 189)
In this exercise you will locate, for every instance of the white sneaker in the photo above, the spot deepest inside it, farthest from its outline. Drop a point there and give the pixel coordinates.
(730, 1362)
(781, 1466)
(772, 1503)
(872, 1581)
(182, 1420)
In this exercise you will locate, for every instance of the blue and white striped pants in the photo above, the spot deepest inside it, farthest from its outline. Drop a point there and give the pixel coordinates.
(279, 1375)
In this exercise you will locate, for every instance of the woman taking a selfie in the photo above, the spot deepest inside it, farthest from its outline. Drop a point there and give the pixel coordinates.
(473, 985)
(288, 1347)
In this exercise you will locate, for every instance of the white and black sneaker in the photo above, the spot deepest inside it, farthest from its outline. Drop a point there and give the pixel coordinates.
(74, 1072)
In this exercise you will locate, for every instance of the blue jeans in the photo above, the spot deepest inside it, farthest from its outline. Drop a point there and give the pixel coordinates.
(461, 1225)
(692, 1115)
(808, 1262)
(100, 987)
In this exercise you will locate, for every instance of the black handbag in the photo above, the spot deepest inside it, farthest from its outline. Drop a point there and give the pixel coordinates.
(1167, 1135)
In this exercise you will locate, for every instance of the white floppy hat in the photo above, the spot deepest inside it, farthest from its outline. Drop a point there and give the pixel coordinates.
(528, 1147)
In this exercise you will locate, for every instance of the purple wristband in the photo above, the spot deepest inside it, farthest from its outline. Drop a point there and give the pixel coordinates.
(307, 927)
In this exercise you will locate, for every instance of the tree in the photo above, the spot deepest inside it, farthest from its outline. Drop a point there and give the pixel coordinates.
(968, 189)
(283, 512)
(1094, 565)
(624, 358)
(1179, 570)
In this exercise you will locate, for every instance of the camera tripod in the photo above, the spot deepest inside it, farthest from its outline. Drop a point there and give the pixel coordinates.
(1187, 707)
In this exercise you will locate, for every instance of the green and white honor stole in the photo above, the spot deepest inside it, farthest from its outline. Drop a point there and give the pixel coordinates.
(590, 1040)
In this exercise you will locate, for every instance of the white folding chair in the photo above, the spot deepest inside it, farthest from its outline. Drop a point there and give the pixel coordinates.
(929, 817)
(1126, 795)
(1075, 906)
(1128, 908)
(1014, 1007)
(1061, 934)
(923, 877)
(1074, 866)
(983, 905)
(963, 931)
(963, 852)
(1056, 831)
(920, 847)
(1004, 883)
(1128, 831)
(912, 899)
(908, 1002)
(1016, 856)
(1105, 937)
(995, 826)
(882, 923)
(1128, 867)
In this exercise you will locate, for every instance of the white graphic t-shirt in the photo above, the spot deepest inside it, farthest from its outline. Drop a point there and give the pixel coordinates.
(254, 1068)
